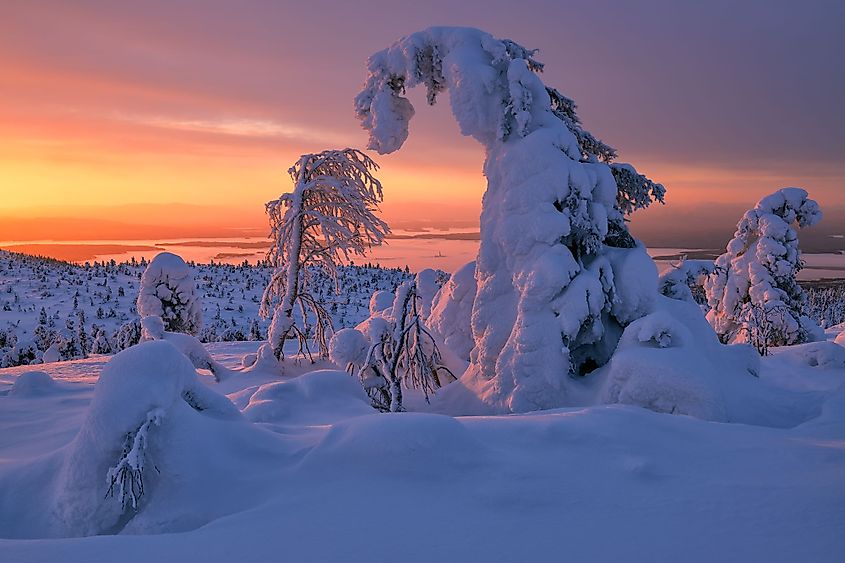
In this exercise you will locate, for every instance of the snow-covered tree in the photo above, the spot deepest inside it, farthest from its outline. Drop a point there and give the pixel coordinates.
(329, 217)
(168, 291)
(753, 293)
(558, 274)
(392, 350)
(685, 281)
(129, 334)
(101, 344)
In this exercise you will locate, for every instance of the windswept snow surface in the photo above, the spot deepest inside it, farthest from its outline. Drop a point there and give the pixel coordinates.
(307, 471)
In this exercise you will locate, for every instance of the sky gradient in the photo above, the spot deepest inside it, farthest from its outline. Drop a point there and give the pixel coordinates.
(132, 112)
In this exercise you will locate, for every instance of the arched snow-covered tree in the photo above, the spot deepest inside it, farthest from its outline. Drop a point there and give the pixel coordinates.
(329, 217)
(558, 274)
(168, 291)
(753, 293)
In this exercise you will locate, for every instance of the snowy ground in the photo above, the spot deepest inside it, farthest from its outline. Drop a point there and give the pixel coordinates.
(311, 473)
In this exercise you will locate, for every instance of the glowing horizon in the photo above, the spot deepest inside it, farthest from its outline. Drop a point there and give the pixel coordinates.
(117, 107)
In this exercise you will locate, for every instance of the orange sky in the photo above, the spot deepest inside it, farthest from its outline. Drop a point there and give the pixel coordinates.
(104, 108)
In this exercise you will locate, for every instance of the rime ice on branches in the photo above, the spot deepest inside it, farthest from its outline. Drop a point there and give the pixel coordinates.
(328, 218)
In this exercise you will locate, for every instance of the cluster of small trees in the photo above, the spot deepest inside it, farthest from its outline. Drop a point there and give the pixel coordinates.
(826, 304)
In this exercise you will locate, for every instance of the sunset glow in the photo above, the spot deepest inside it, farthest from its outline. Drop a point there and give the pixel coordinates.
(121, 109)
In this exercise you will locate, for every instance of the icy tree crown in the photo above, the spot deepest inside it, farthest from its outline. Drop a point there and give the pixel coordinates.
(494, 93)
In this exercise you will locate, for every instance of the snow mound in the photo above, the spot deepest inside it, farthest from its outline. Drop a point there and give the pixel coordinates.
(33, 384)
(658, 366)
(671, 361)
(153, 329)
(316, 397)
(348, 347)
(840, 338)
(817, 354)
(121, 453)
(411, 443)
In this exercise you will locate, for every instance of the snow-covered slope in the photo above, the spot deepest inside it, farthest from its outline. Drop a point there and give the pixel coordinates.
(308, 472)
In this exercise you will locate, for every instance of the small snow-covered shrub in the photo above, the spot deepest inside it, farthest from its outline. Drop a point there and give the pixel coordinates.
(129, 334)
(428, 283)
(118, 457)
(380, 300)
(167, 290)
(685, 281)
(451, 312)
(348, 348)
(826, 305)
(393, 349)
(753, 293)
(22, 353)
(32, 384)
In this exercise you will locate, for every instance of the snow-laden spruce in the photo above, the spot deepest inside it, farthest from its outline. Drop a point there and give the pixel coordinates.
(753, 293)
(328, 218)
(558, 274)
(168, 291)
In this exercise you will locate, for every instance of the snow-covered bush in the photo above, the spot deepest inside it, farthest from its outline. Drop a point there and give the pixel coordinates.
(129, 334)
(451, 311)
(380, 300)
(391, 350)
(550, 301)
(753, 293)
(22, 353)
(670, 361)
(826, 305)
(101, 344)
(685, 280)
(348, 348)
(428, 283)
(119, 455)
(328, 218)
(168, 291)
